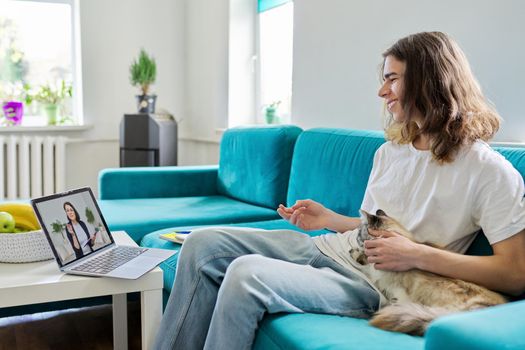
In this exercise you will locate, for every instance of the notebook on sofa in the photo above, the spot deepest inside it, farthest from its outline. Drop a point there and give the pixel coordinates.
(82, 242)
(175, 236)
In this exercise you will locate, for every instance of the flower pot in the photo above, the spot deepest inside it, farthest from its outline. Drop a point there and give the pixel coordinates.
(270, 115)
(13, 112)
(51, 111)
(146, 103)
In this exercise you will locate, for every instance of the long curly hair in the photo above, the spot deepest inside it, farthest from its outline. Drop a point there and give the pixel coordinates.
(439, 83)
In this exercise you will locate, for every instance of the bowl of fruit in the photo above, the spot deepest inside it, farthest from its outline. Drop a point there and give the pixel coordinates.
(21, 238)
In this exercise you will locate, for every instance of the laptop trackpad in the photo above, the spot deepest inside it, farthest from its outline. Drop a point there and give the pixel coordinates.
(136, 267)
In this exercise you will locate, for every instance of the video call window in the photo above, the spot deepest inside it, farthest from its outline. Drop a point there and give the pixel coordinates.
(74, 226)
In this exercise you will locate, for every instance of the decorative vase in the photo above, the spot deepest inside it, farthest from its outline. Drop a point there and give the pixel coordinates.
(50, 110)
(13, 112)
(146, 103)
(270, 115)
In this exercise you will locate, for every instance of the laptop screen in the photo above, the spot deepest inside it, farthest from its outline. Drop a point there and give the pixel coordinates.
(73, 224)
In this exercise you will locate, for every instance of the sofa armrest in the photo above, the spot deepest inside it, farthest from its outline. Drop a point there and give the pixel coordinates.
(499, 327)
(158, 182)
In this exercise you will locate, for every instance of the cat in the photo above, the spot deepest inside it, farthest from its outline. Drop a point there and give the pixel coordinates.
(415, 297)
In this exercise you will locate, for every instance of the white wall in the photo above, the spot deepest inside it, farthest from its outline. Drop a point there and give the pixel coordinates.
(206, 81)
(112, 33)
(338, 46)
(337, 50)
(206, 67)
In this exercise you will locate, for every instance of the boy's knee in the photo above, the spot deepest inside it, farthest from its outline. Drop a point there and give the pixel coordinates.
(203, 238)
(245, 269)
(200, 236)
(197, 244)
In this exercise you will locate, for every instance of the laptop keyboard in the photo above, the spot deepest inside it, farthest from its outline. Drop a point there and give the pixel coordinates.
(110, 260)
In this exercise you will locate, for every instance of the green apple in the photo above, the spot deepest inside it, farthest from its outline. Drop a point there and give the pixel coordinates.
(7, 222)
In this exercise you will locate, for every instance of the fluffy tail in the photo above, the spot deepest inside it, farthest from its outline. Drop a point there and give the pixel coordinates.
(407, 317)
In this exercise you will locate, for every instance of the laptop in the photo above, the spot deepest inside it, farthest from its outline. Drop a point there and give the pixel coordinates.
(82, 243)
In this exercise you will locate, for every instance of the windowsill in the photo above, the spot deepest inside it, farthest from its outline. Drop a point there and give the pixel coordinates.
(47, 128)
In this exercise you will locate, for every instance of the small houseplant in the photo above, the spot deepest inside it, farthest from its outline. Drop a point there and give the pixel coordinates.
(13, 96)
(270, 112)
(143, 72)
(58, 228)
(65, 250)
(51, 98)
(90, 217)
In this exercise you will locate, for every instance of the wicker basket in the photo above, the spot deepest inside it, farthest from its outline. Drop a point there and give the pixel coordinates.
(24, 247)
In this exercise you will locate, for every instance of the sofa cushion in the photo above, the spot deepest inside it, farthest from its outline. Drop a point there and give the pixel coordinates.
(514, 155)
(315, 331)
(140, 216)
(499, 327)
(255, 163)
(332, 166)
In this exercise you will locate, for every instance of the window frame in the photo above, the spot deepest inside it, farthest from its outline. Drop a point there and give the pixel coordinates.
(239, 53)
(259, 107)
(76, 64)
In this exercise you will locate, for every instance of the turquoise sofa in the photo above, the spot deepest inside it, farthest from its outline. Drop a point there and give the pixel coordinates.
(262, 167)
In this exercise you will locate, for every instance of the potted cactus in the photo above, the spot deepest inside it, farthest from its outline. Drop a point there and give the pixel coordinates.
(143, 72)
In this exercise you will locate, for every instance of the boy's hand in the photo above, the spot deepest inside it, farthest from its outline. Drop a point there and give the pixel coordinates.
(391, 252)
(306, 214)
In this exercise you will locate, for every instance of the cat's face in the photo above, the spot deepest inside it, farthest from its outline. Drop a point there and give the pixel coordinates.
(380, 221)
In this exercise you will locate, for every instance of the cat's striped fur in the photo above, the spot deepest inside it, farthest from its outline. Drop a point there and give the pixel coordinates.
(417, 297)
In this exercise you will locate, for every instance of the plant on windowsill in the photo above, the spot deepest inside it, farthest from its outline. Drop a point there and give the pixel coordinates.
(270, 112)
(12, 98)
(143, 72)
(51, 97)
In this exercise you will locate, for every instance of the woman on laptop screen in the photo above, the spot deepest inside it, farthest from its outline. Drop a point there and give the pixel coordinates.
(77, 232)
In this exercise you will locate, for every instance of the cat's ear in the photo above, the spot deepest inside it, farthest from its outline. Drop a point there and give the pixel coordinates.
(363, 212)
(380, 212)
(366, 217)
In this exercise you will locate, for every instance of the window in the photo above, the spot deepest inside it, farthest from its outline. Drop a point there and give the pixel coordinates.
(37, 62)
(275, 58)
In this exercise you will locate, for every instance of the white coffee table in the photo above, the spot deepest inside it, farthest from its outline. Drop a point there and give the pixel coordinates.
(33, 283)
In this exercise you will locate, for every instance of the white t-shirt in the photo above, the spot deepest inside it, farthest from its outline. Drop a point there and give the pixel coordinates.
(447, 204)
(441, 204)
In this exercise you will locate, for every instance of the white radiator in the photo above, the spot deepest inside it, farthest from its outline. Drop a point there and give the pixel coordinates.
(31, 166)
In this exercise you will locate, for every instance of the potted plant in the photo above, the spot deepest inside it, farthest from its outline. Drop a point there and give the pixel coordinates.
(51, 97)
(58, 228)
(12, 98)
(65, 250)
(270, 112)
(90, 217)
(143, 72)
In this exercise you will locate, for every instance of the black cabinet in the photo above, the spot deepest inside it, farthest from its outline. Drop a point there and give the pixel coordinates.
(148, 140)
